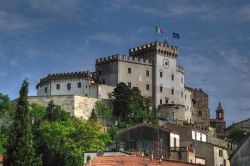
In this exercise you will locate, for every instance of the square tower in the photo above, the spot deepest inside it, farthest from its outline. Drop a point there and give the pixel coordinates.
(167, 77)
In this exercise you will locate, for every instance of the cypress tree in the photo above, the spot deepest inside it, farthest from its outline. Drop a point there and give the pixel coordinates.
(20, 151)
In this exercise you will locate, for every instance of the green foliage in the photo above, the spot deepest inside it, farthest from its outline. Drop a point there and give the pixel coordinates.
(66, 141)
(55, 113)
(5, 106)
(20, 151)
(6, 115)
(131, 107)
(103, 110)
(122, 94)
(236, 135)
(93, 116)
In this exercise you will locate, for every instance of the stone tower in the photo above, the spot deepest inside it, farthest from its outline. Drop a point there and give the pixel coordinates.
(220, 122)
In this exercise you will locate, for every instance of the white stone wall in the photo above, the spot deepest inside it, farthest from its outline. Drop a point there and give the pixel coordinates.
(101, 91)
(177, 137)
(188, 105)
(78, 106)
(167, 83)
(137, 77)
(219, 160)
(52, 87)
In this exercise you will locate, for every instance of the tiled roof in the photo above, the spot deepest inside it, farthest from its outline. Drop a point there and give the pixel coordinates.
(134, 161)
(62, 76)
(1, 158)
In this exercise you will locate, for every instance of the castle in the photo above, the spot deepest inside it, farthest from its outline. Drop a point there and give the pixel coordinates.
(150, 67)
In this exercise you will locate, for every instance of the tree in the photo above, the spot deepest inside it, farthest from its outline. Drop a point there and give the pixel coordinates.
(55, 113)
(93, 116)
(103, 111)
(5, 106)
(6, 115)
(66, 141)
(236, 135)
(122, 94)
(20, 151)
(131, 106)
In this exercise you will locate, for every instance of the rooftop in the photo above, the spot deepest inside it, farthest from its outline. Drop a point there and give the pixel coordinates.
(134, 161)
(62, 76)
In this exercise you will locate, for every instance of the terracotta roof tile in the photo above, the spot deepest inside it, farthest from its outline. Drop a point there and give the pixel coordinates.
(134, 161)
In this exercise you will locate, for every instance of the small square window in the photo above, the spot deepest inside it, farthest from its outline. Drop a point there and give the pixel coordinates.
(129, 84)
(147, 87)
(160, 88)
(161, 74)
(220, 153)
(172, 77)
(79, 84)
(147, 73)
(129, 70)
(69, 86)
(57, 86)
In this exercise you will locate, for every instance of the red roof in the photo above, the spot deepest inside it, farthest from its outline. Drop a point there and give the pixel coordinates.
(1, 158)
(133, 161)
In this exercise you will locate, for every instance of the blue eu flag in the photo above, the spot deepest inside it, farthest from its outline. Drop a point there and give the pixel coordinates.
(176, 35)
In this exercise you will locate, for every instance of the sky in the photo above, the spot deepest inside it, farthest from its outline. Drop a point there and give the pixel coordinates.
(53, 36)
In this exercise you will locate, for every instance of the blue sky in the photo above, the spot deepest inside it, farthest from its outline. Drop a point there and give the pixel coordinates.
(51, 36)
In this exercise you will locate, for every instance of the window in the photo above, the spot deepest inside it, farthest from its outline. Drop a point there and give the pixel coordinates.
(86, 86)
(68, 86)
(147, 73)
(160, 101)
(129, 70)
(144, 144)
(129, 84)
(100, 72)
(160, 88)
(220, 153)
(172, 77)
(200, 113)
(182, 94)
(147, 87)
(174, 142)
(185, 97)
(79, 84)
(181, 80)
(161, 74)
(57, 86)
(46, 90)
(172, 91)
(131, 144)
(103, 81)
(166, 100)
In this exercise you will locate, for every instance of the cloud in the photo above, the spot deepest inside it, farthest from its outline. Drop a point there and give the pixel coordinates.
(243, 13)
(11, 21)
(3, 73)
(13, 63)
(107, 37)
(64, 9)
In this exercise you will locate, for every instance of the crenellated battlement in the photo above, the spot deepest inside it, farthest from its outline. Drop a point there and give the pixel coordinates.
(123, 58)
(159, 48)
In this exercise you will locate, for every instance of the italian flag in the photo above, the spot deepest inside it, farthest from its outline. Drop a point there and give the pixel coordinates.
(159, 30)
